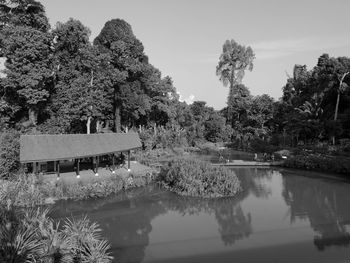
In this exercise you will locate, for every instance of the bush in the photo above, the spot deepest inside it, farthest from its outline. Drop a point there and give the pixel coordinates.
(23, 192)
(9, 153)
(198, 178)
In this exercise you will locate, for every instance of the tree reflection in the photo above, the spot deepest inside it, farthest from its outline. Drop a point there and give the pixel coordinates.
(126, 218)
(324, 204)
(233, 223)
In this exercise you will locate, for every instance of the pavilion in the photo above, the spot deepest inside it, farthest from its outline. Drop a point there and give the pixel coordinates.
(44, 150)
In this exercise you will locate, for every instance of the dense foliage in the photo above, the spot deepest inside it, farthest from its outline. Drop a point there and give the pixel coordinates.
(315, 104)
(198, 178)
(314, 108)
(320, 163)
(32, 236)
(30, 190)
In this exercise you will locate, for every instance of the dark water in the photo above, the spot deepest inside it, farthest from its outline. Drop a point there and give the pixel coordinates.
(282, 216)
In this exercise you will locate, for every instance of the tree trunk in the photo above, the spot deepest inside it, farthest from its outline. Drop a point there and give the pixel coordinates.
(337, 106)
(88, 124)
(98, 126)
(33, 116)
(117, 119)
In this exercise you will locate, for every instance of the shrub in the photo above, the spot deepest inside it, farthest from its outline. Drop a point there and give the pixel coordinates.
(198, 178)
(9, 153)
(22, 192)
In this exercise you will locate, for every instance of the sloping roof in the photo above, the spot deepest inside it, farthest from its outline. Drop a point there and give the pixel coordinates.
(35, 148)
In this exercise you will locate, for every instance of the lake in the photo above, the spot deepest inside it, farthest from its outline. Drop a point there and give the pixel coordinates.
(281, 216)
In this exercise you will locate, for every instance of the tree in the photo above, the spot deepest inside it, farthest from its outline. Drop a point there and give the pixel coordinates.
(28, 13)
(233, 62)
(238, 103)
(29, 68)
(84, 80)
(117, 39)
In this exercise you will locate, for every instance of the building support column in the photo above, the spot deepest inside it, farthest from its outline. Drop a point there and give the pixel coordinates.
(129, 161)
(58, 170)
(113, 163)
(35, 168)
(96, 170)
(78, 168)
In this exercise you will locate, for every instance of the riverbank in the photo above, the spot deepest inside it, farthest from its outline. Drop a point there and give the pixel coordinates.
(319, 162)
(31, 190)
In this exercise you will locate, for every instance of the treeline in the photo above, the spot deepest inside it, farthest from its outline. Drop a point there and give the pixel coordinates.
(57, 81)
(314, 108)
(315, 105)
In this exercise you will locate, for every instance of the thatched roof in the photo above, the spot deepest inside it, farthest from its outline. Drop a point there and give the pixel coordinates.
(42, 148)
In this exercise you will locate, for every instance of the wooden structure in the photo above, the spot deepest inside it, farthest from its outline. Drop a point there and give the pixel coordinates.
(249, 163)
(41, 150)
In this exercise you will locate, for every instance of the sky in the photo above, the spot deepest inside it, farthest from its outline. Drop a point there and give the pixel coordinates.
(184, 38)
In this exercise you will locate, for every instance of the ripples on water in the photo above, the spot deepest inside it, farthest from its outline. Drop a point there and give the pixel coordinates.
(281, 216)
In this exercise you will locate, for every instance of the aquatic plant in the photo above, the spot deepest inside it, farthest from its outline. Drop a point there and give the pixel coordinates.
(198, 178)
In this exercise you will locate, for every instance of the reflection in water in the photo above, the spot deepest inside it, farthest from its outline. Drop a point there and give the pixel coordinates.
(126, 218)
(324, 203)
(233, 223)
(244, 221)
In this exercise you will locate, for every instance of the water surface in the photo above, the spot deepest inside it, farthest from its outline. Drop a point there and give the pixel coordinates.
(281, 216)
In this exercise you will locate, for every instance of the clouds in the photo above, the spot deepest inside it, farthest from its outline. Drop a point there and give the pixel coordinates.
(189, 100)
(272, 49)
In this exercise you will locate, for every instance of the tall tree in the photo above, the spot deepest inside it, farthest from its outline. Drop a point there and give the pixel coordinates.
(26, 44)
(83, 80)
(117, 39)
(233, 62)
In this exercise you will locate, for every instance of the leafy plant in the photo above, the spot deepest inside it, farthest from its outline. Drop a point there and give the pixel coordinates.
(31, 236)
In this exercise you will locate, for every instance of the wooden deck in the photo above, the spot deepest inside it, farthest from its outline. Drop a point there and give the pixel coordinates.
(249, 163)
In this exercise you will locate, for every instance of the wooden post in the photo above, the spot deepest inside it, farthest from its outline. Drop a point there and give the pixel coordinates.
(129, 160)
(58, 170)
